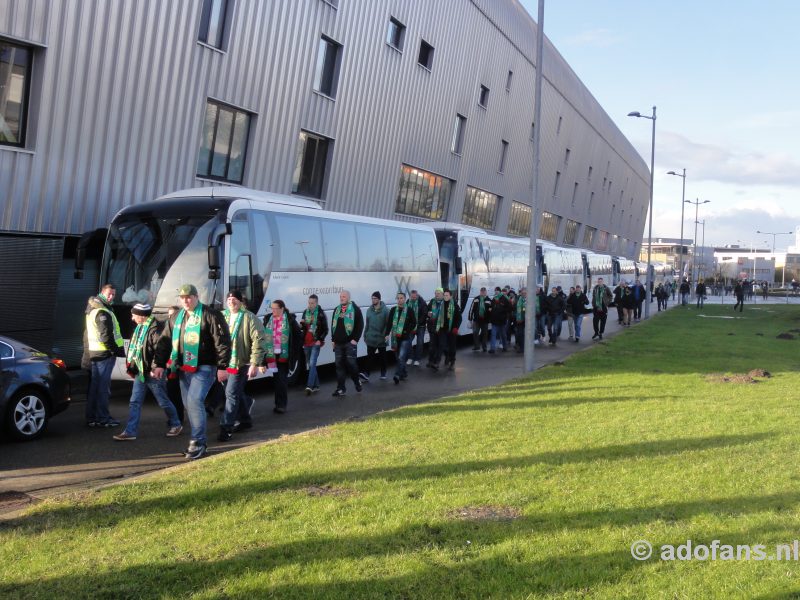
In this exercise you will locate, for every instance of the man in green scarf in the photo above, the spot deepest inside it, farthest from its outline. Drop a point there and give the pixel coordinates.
(141, 352)
(196, 346)
(435, 351)
(400, 327)
(247, 353)
(419, 307)
(601, 299)
(447, 323)
(347, 325)
(479, 314)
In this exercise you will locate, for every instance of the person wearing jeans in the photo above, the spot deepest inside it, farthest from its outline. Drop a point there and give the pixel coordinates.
(314, 327)
(139, 357)
(400, 327)
(104, 344)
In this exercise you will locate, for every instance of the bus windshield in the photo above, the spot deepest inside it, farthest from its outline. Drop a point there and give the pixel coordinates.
(144, 253)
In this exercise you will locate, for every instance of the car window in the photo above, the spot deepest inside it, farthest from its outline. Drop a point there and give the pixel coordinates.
(5, 350)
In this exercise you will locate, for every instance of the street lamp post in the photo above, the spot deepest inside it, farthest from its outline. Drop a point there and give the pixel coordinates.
(773, 234)
(702, 251)
(683, 205)
(648, 279)
(696, 203)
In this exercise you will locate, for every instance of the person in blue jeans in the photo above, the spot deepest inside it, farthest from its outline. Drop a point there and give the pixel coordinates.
(314, 325)
(197, 346)
(501, 309)
(138, 361)
(401, 325)
(103, 344)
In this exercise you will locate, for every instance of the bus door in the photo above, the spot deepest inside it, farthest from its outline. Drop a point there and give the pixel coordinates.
(449, 262)
(615, 272)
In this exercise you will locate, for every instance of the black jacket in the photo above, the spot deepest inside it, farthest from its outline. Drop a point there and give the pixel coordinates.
(422, 311)
(456, 315)
(501, 307)
(338, 331)
(150, 347)
(296, 336)
(215, 340)
(627, 299)
(554, 305)
(474, 314)
(409, 327)
(576, 303)
(322, 326)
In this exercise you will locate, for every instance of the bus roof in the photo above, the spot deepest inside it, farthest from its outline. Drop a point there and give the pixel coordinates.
(222, 191)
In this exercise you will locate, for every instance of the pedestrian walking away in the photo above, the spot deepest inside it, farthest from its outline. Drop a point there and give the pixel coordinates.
(314, 326)
(569, 316)
(284, 344)
(400, 327)
(639, 295)
(374, 337)
(629, 303)
(601, 299)
(479, 312)
(419, 307)
(247, 355)
(195, 346)
(138, 363)
(347, 326)
(104, 344)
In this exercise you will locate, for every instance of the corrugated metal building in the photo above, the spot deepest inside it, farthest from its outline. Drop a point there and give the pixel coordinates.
(406, 109)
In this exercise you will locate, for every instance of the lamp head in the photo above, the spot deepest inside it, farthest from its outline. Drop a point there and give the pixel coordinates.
(671, 173)
(635, 113)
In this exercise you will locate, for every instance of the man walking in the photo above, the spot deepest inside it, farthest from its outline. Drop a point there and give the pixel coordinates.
(374, 336)
(197, 347)
(684, 291)
(554, 307)
(738, 291)
(435, 352)
(479, 316)
(419, 307)
(247, 354)
(639, 295)
(400, 327)
(501, 309)
(520, 312)
(577, 305)
(104, 344)
(314, 326)
(700, 293)
(448, 321)
(347, 325)
(138, 362)
(601, 298)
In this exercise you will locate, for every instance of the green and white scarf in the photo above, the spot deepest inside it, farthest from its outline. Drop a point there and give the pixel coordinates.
(349, 317)
(481, 307)
(191, 340)
(269, 335)
(520, 308)
(136, 348)
(233, 365)
(398, 324)
(437, 307)
(599, 294)
(311, 319)
(440, 316)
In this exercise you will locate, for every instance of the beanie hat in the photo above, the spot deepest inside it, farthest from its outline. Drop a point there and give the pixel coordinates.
(235, 294)
(142, 310)
(376, 295)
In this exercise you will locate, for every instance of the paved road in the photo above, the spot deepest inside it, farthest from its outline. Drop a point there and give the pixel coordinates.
(72, 457)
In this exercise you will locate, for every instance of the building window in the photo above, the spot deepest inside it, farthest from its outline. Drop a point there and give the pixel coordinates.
(588, 236)
(483, 97)
(589, 176)
(555, 185)
(591, 201)
(396, 34)
(311, 165)
(566, 157)
(503, 154)
(602, 241)
(212, 22)
(15, 83)
(548, 230)
(574, 194)
(509, 78)
(519, 220)
(558, 129)
(224, 145)
(326, 75)
(458, 134)
(425, 57)
(480, 208)
(422, 194)
(571, 232)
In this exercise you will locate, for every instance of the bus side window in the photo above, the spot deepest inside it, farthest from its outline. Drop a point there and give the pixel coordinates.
(240, 273)
(262, 251)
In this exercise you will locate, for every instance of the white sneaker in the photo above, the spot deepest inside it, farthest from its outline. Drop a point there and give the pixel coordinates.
(416, 363)
(409, 361)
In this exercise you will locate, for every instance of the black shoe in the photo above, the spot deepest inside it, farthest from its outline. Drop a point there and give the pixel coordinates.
(339, 392)
(239, 426)
(484, 348)
(363, 377)
(451, 366)
(279, 410)
(601, 336)
(396, 380)
(224, 436)
(491, 351)
(109, 423)
(315, 389)
(594, 337)
(92, 424)
(358, 387)
(434, 367)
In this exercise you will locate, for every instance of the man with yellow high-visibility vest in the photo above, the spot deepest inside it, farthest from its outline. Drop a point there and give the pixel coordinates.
(104, 344)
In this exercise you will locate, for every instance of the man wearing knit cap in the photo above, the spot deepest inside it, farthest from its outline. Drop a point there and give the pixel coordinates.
(247, 353)
(139, 359)
(435, 352)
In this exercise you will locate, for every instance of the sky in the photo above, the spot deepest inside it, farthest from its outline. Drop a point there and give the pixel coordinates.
(725, 79)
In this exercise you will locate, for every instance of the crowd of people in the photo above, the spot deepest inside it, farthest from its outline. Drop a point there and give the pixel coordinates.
(201, 357)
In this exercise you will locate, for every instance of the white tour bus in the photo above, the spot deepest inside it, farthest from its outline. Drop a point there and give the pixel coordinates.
(268, 246)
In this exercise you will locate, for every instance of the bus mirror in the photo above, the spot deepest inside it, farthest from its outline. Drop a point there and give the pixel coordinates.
(214, 245)
(459, 266)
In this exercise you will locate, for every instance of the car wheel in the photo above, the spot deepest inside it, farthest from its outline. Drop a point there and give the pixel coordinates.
(28, 415)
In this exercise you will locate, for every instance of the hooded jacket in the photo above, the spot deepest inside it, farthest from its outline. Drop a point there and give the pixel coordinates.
(376, 325)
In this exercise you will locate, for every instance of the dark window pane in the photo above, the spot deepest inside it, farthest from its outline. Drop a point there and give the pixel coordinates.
(212, 22)
(327, 67)
(204, 159)
(223, 147)
(219, 163)
(15, 64)
(480, 208)
(238, 147)
(311, 165)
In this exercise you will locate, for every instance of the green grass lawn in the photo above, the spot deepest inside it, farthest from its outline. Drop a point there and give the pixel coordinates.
(536, 488)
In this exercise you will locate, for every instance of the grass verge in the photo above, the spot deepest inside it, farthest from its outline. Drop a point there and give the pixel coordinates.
(536, 488)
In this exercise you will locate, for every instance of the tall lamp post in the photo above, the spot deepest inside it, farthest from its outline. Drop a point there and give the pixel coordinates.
(696, 203)
(648, 279)
(683, 205)
(702, 252)
(773, 234)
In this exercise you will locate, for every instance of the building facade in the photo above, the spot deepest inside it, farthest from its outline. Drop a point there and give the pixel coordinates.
(402, 109)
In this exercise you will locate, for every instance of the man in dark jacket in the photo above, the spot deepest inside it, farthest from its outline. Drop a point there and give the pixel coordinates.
(314, 325)
(700, 293)
(738, 291)
(447, 323)
(104, 344)
(419, 307)
(501, 309)
(618, 303)
(196, 346)
(347, 325)
(435, 305)
(601, 298)
(684, 291)
(639, 295)
(401, 326)
(479, 314)
(576, 304)
(554, 306)
(139, 360)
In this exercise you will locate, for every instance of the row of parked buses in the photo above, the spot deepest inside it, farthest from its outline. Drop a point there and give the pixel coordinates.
(272, 246)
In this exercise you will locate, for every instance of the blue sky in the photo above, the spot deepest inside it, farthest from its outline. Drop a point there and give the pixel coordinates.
(724, 78)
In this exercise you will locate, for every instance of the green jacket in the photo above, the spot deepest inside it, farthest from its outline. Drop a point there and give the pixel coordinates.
(376, 325)
(250, 341)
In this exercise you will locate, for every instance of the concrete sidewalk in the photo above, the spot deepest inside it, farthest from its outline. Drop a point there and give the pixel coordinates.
(71, 457)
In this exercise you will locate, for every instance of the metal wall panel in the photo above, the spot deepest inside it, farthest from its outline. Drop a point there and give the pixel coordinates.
(124, 86)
